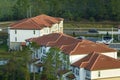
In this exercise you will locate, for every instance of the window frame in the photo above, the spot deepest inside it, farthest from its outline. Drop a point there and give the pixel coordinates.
(15, 31)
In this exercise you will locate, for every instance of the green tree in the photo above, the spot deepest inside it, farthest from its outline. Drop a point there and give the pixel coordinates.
(16, 68)
(34, 47)
(52, 64)
(20, 9)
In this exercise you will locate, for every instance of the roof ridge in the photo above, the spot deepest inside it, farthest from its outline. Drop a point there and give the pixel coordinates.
(36, 24)
(54, 41)
(75, 48)
(34, 19)
(44, 20)
(83, 63)
(95, 61)
(63, 46)
(90, 59)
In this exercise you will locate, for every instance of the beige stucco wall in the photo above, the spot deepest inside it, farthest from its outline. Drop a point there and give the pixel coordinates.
(105, 73)
(115, 78)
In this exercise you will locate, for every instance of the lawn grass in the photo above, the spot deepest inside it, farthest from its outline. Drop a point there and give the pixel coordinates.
(5, 24)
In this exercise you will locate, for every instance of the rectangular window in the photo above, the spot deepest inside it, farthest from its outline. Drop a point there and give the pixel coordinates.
(98, 73)
(87, 73)
(44, 51)
(15, 31)
(73, 69)
(15, 38)
(77, 72)
(34, 32)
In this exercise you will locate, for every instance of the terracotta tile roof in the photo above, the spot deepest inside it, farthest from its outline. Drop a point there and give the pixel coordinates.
(54, 40)
(37, 22)
(63, 40)
(43, 40)
(85, 47)
(96, 61)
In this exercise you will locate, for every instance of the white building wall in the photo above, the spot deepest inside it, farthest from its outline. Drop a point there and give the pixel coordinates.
(21, 35)
(40, 52)
(79, 73)
(111, 54)
(82, 74)
(74, 58)
(105, 73)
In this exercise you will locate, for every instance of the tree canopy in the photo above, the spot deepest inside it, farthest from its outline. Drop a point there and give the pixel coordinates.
(93, 10)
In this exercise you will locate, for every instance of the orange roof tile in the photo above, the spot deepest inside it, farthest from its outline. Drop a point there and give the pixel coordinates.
(43, 40)
(96, 61)
(37, 22)
(68, 48)
(54, 40)
(85, 47)
(63, 40)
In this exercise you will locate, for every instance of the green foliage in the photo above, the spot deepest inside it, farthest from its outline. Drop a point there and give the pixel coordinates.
(52, 64)
(35, 45)
(68, 9)
(16, 68)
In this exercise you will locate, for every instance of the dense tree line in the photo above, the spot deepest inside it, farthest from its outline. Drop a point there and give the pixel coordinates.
(93, 10)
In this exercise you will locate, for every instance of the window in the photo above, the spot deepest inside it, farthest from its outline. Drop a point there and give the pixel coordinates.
(36, 55)
(15, 38)
(77, 72)
(73, 69)
(44, 51)
(15, 31)
(98, 73)
(39, 69)
(33, 31)
(87, 73)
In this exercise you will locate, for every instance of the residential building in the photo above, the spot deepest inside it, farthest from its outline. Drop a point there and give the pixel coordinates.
(33, 27)
(118, 32)
(35, 66)
(74, 49)
(52, 40)
(79, 50)
(96, 66)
